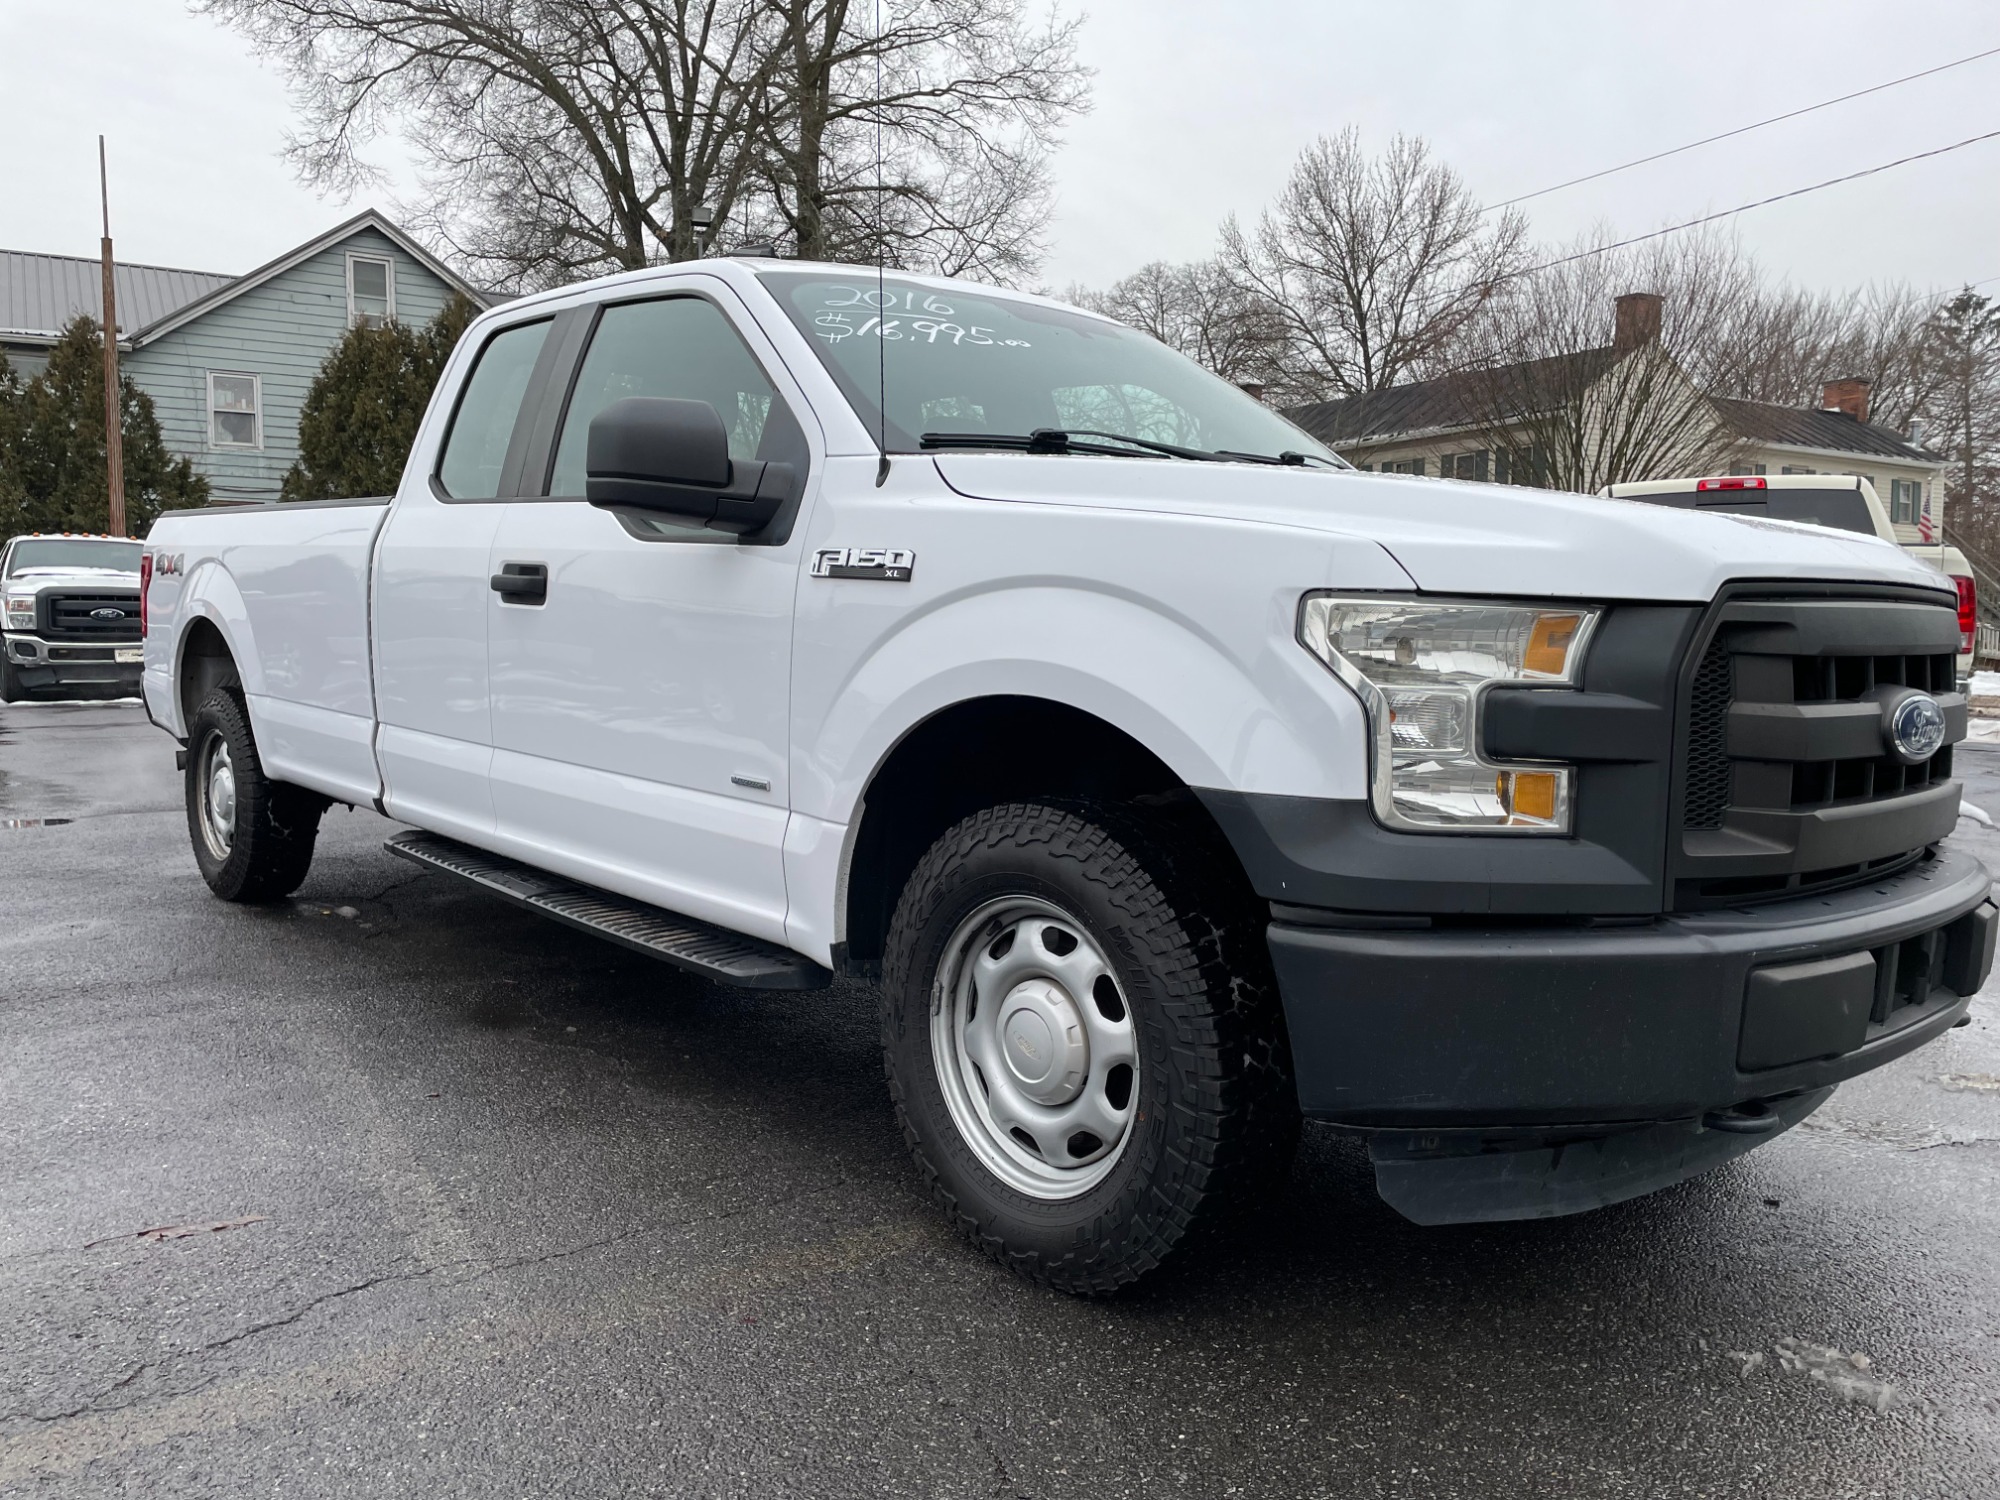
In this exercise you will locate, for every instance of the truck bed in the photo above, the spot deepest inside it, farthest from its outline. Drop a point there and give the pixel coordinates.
(286, 586)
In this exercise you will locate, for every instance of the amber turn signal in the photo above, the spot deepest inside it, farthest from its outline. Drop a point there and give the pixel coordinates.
(1549, 640)
(1528, 795)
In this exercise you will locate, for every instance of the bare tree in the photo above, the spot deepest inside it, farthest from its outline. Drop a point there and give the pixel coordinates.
(1781, 345)
(920, 133)
(1966, 341)
(1375, 265)
(1201, 310)
(561, 138)
(1572, 395)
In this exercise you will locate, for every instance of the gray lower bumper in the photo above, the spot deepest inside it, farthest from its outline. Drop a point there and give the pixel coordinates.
(1515, 1072)
(1444, 1027)
(40, 665)
(1459, 1179)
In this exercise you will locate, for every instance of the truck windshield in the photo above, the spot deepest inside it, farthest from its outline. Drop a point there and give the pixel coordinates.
(1844, 510)
(967, 363)
(73, 552)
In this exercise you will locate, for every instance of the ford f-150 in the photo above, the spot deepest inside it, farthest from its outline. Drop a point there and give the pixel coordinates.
(1175, 781)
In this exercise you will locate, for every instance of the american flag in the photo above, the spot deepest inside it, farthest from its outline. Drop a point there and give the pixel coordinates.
(1926, 532)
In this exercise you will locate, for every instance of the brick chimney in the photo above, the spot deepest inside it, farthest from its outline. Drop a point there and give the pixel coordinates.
(1850, 396)
(1638, 321)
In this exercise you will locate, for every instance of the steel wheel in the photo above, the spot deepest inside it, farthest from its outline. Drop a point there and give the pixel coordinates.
(1034, 1048)
(216, 784)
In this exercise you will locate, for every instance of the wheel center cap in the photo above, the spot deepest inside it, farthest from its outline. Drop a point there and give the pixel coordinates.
(1031, 1051)
(1042, 1039)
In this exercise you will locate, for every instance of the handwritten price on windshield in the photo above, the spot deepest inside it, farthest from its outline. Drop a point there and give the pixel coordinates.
(835, 326)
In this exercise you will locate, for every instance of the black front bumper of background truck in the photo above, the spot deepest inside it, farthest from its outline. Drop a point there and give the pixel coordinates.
(1511, 1071)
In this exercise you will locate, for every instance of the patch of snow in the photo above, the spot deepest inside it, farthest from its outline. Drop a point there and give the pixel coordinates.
(1843, 1374)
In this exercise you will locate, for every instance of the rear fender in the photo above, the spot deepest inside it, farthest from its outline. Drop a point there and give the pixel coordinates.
(211, 594)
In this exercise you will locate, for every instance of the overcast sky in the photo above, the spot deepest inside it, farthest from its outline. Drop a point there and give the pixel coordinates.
(1199, 110)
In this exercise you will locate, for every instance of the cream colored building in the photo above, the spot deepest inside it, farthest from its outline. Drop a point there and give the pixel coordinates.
(1436, 428)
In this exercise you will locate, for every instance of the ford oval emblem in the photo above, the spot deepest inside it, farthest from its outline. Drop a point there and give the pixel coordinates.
(1914, 728)
(107, 614)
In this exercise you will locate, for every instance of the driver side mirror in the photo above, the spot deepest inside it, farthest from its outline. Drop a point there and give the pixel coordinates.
(671, 457)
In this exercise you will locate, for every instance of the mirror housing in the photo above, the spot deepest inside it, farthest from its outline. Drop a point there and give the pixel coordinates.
(671, 457)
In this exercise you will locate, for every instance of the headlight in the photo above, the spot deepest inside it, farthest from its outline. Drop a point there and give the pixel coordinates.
(1422, 670)
(21, 611)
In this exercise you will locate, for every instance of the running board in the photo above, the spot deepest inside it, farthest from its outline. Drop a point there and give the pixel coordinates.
(707, 950)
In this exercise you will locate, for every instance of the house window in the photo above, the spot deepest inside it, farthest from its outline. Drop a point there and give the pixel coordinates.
(1404, 466)
(1463, 465)
(371, 290)
(1795, 469)
(1742, 470)
(1906, 499)
(235, 411)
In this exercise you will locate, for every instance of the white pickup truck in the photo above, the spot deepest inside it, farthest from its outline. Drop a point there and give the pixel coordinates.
(1176, 781)
(71, 616)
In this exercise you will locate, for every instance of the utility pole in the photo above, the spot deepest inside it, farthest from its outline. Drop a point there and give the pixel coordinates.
(114, 427)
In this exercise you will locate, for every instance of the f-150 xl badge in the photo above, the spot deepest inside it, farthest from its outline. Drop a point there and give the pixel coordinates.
(891, 564)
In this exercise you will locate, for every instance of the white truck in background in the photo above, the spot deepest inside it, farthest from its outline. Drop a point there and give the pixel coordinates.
(1846, 502)
(71, 616)
(1174, 780)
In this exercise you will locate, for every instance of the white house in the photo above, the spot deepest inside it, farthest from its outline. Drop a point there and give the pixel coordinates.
(1452, 428)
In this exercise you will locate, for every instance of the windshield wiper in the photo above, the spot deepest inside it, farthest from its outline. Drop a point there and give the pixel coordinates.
(1062, 440)
(1291, 458)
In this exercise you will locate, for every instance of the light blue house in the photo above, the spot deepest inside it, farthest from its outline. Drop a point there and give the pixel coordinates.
(228, 360)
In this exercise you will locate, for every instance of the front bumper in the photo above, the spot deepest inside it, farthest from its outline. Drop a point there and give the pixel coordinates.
(1456, 1041)
(40, 664)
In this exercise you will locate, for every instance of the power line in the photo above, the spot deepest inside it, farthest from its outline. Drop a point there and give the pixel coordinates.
(1640, 239)
(1741, 130)
(1430, 306)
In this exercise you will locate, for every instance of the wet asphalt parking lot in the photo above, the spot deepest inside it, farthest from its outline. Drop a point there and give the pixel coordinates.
(518, 1214)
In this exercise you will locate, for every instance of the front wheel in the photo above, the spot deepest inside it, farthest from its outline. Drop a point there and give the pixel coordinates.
(253, 837)
(1082, 1038)
(11, 690)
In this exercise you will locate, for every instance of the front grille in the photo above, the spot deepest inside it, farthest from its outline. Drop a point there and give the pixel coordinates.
(1848, 679)
(74, 617)
(1786, 784)
(1905, 975)
(1707, 761)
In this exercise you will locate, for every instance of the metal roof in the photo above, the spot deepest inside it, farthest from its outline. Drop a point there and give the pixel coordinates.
(39, 294)
(1434, 407)
(1832, 431)
(1448, 403)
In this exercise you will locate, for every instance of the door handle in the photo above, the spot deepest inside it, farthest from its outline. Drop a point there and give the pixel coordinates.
(523, 583)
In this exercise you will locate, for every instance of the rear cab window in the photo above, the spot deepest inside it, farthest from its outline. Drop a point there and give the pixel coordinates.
(1841, 509)
(474, 460)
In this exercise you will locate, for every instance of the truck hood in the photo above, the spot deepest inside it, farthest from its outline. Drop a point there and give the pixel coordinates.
(1456, 537)
(39, 580)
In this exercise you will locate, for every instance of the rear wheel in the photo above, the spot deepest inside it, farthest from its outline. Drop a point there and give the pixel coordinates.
(253, 837)
(1082, 1038)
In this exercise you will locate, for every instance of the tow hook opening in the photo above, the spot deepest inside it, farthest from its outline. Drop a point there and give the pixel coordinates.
(1752, 1117)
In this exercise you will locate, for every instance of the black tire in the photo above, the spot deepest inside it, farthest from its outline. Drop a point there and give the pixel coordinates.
(262, 844)
(1215, 1116)
(11, 690)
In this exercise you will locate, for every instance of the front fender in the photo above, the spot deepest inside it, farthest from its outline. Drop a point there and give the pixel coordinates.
(1255, 715)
